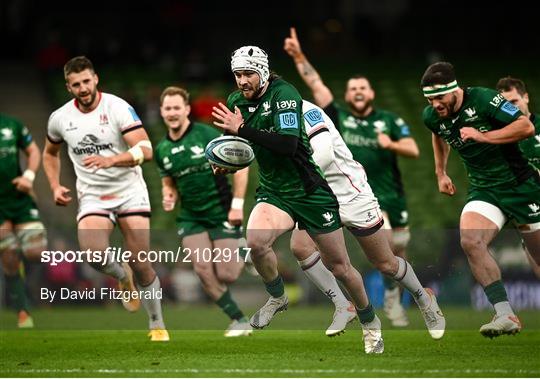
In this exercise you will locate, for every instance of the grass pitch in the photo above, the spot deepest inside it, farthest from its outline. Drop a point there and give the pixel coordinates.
(102, 342)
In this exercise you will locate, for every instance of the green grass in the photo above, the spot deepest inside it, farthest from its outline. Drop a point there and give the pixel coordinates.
(73, 342)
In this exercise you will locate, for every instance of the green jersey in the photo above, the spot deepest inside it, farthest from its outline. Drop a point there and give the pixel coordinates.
(360, 135)
(13, 136)
(487, 165)
(202, 194)
(279, 110)
(531, 146)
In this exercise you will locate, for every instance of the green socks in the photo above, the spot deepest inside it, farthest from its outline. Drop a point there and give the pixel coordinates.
(229, 306)
(17, 292)
(275, 288)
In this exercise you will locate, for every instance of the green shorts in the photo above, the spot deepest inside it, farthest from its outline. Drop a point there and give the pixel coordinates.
(217, 228)
(317, 212)
(19, 210)
(521, 203)
(396, 208)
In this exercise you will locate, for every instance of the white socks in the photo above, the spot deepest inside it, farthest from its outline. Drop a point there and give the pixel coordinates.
(406, 276)
(503, 308)
(316, 271)
(152, 304)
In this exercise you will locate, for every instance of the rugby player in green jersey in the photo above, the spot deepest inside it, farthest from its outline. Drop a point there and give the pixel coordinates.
(484, 128)
(21, 230)
(267, 111)
(515, 91)
(376, 138)
(210, 218)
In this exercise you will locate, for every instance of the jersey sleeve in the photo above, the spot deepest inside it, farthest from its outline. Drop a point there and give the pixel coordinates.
(332, 111)
(24, 138)
(125, 116)
(399, 129)
(314, 123)
(287, 111)
(498, 108)
(54, 132)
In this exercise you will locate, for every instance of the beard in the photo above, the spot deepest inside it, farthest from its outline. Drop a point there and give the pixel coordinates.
(93, 95)
(361, 109)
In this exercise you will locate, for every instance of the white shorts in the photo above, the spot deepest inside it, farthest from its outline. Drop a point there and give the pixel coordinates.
(133, 201)
(361, 215)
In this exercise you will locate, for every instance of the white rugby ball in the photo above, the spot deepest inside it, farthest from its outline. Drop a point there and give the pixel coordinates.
(229, 152)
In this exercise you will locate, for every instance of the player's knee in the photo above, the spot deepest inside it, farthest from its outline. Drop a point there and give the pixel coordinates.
(259, 244)
(341, 270)
(228, 276)
(301, 250)
(472, 244)
(33, 240)
(400, 239)
(388, 267)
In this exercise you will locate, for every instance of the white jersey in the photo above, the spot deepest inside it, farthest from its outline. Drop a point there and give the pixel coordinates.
(345, 176)
(97, 132)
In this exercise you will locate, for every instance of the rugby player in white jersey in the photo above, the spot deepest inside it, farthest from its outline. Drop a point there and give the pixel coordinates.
(360, 213)
(107, 144)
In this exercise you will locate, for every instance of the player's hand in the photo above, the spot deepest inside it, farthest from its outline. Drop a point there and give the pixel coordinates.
(98, 161)
(292, 45)
(61, 196)
(235, 216)
(229, 121)
(169, 200)
(384, 140)
(220, 170)
(22, 184)
(445, 185)
(468, 133)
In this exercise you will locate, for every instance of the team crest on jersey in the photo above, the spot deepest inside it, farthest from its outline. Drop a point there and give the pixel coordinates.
(471, 112)
(267, 110)
(350, 122)
(379, 125)
(103, 119)
(7, 134)
(535, 208)
(198, 152)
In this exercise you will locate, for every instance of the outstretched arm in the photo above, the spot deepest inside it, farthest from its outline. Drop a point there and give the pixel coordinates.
(321, 93)
(24, 182)
(240, 180)
(51, 166)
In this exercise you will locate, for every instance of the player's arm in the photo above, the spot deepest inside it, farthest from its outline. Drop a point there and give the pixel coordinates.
(233, 123)
(169, 193)
(240, 181)
(405, 147)
(323, 148)
(321, 93)
(140, 150)
(515, 131)
(24, 182)
(441, 152)
(51, 166)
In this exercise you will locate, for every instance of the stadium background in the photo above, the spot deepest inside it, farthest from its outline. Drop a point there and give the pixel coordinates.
(139, 48)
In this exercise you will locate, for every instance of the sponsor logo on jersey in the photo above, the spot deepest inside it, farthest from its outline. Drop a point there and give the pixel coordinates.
(90, 145)
(198, 152)
(497, 100)
(134, 114)
(288, 120)
(178, 149)
(252, 109)
(360, 141)
(509, 108)
(313, 117)
(7, 134)
(286, 104)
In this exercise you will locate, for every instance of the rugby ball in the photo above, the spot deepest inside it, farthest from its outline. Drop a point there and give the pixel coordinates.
(229, 152)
